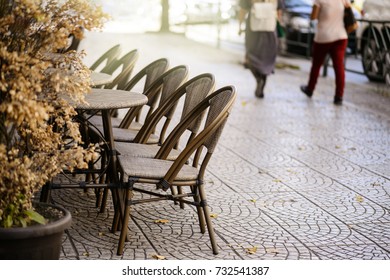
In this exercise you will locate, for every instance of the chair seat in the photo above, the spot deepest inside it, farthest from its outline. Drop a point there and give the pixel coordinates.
(154, 168)
(135, 125)
(142, 150)
(97, 121)
(115, 122)
(128, 135)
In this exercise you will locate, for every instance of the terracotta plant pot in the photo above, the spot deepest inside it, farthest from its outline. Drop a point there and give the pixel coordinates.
(37, 242)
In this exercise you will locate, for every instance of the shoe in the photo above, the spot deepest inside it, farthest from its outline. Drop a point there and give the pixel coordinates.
(306, 91)
(259, 92)
(261, 80)
(338, 100)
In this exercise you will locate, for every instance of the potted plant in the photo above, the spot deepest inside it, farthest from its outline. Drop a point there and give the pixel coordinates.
(38, 137)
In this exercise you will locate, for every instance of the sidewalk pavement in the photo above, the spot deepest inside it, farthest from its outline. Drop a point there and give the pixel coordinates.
(293, 177)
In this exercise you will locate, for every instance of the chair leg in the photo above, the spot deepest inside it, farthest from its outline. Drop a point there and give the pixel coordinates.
(209, 223)
(199, 210)
(116, 223)
(98, 194)
(97, 191)
(126, 217)
(173, 192)
(103, 201)
(180, 191)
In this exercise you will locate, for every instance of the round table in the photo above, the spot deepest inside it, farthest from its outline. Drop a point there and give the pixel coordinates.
(108, 99)
(105, 100)
(97, 78)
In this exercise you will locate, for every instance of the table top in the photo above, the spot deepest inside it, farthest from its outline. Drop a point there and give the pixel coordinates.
(106, 99)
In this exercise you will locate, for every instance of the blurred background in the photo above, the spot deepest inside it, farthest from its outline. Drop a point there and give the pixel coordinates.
(215, 22)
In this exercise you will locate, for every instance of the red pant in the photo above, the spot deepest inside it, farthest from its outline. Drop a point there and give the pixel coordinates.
(337, 51)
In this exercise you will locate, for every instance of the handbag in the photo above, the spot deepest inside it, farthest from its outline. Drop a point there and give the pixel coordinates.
(263, 16)
(279, 29)
(350, 23)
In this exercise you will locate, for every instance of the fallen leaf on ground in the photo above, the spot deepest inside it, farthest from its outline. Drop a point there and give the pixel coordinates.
(252, 250)
(253, 200)
(213, 216)
(272, 250)
(277, 180)
(359, 198)
(158, 257)
(161, 221)
(292, 171)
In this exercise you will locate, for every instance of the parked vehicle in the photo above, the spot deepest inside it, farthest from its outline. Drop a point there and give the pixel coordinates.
(374, 39)
(299, 32)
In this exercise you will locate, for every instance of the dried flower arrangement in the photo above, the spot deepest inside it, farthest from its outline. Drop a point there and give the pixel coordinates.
(38, 137)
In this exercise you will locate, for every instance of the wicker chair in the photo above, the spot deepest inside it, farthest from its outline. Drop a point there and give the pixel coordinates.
(196, 90)
(106, 58)
(193, 90)
(166, 84)
(166, 174)
(73, 44)
(122, 69)
(147, 75)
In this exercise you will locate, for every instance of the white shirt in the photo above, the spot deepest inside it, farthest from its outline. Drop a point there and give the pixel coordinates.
(330, 26)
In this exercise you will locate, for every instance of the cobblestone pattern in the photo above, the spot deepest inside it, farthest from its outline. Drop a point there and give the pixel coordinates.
(292, 178)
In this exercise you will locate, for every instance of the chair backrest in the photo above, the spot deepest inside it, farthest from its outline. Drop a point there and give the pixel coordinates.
(73, 44)
(124, 67)
(164, 87)
(193, 91)
(106, 58)
(149, 74)
(218, 104)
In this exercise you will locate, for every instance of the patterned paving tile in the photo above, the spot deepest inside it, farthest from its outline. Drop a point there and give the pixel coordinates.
(364, 252)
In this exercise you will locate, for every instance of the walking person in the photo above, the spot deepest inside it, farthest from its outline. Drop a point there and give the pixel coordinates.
(330, 38)
(261, 42)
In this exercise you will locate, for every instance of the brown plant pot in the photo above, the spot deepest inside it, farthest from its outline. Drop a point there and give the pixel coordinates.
(37, 242)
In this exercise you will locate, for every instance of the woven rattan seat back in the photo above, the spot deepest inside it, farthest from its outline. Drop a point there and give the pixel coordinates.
(193, 91)
(148, 75)
(186, 171)
(219, 104)
(159, 91)
(121, 68)
(106, 58)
